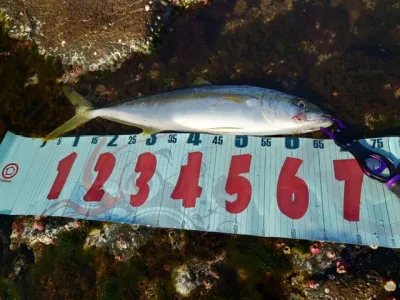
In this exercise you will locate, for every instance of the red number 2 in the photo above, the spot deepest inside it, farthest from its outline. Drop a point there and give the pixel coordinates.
(64, 168)
(237, 184)
(292, 191)
(349, 170)
(104, 167)
(187, 188)
(146, 166)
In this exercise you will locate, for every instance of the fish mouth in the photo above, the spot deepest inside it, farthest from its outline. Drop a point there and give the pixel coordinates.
(322, 119)
(318, 116)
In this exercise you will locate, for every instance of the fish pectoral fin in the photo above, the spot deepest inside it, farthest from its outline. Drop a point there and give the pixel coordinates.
(235, 98)
(200, 81)
(149, 131)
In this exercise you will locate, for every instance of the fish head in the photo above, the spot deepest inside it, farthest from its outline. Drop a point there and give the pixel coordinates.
(309, 116)
(301, 115)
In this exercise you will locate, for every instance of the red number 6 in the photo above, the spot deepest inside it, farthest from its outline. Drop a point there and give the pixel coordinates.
(292, 191)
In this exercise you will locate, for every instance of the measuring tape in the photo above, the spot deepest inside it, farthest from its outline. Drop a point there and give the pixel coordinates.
(273, 187)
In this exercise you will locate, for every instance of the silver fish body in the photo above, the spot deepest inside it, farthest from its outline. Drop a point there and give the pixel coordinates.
(245, 110)
(220, 110)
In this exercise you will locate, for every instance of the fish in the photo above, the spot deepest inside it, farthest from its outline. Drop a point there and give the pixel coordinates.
(205, 108)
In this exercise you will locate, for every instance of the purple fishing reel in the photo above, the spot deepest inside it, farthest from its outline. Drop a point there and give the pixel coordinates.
(373, 164)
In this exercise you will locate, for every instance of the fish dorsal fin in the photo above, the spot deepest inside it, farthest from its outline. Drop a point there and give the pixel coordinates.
(200, 81)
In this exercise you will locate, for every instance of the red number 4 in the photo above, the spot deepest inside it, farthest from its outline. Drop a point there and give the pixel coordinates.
(187, 188)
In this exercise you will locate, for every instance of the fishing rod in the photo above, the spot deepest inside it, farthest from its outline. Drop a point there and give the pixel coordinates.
(384, 169)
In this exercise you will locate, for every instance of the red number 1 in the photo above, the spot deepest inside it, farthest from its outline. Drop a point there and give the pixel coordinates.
(146, 166)
(236, 184)
(64, 168)
(349, 170)
(104, 167)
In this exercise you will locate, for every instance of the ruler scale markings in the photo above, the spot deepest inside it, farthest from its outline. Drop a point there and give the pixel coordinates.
(34, 188)
(38, 173)
(132, 151)
(139, 147)
(274, 219)
(27, 178)
(262, 183)
(53, 166)
(89, 152)
(159, 165)
(119, 175)
(324, 194)
(393, 203)
(368, 190)
(220, 161)
(267, 193)
(110, 187)
(333, 230)
(28, 192)
(211, 188)
(389, 217)
(334, 196)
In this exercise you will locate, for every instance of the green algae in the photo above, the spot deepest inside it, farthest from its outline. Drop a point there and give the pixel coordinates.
(256, 256)
(63, 268)
(29, 90)
(10, 290)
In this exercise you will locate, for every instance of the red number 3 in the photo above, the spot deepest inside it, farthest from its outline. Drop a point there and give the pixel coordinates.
(146, 166)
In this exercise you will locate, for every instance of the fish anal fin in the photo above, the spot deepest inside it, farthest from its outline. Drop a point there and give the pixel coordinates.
(200, 81)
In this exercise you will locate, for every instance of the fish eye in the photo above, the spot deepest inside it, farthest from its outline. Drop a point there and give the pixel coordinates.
(301, 104)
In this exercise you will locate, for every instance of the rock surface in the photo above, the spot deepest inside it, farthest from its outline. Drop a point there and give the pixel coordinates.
(85, 33)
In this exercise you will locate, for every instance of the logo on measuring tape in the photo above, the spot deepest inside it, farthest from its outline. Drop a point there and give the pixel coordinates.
(9, 171)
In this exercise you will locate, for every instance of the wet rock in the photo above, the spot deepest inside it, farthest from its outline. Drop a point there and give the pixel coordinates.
(183, 282)
(121, 240)
(390, 286)
(87, 33)
(191, 4)
(34, 231)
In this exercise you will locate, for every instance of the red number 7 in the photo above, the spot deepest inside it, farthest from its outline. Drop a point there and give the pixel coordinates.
(237, 184)
(349, 171)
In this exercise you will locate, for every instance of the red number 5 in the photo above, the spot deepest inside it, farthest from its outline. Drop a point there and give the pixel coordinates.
(237, 184)
(292, 191)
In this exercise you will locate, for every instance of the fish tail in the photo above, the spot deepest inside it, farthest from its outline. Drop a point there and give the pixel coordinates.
(83, 113)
